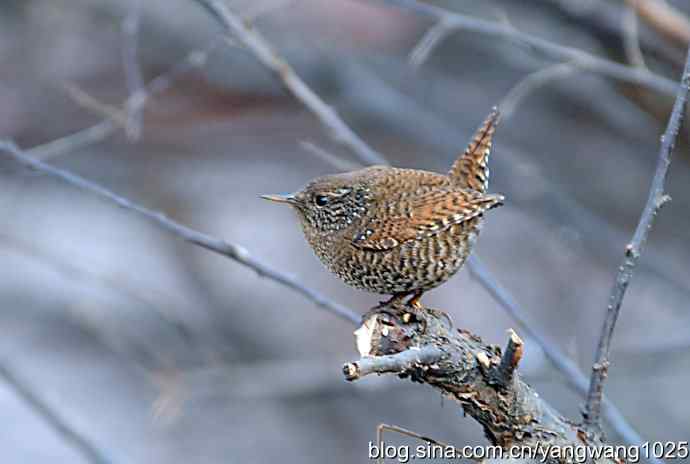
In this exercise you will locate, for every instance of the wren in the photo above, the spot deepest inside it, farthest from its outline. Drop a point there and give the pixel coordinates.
(396, 231)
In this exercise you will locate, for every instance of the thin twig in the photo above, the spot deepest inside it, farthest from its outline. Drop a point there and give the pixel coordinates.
(98, 132)
(135, 82)
(88, 101)
(22, 388)
(631, 38)
(250, 37)
(532, 82)
(603, 20)
(502, 375)
(655, 201)
(430, 40)
(664, 18)
(399, 362)
(582, 59)
(229, 250)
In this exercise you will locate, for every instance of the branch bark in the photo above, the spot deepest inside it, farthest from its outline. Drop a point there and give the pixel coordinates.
(464, 368)
(655, 201)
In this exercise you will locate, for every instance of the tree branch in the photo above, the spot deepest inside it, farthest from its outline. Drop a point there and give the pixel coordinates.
(532, 82)
(577, 57)
(504, 372)
(656, 199)
(393, 363)
(229, 250)
(245, 33)
(460, 365)
(130, 59)
(604, 21)
(430, 40)
(664, 18)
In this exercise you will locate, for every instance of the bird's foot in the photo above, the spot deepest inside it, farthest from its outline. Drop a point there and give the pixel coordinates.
(412, 310)
(418, 309)
(415, 302)
(395, 300)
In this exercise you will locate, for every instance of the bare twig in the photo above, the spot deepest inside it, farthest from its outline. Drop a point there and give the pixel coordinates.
(503, 373)
(631, 39)
(85, 137)
(245, 33)
(602, 19)
(130, 59)
(430, 40)
(656, 199)
(582, 59)
(664, 18)
(396, 363)
(86, 100)
(531, 83)
(229, 250)
(22, 388)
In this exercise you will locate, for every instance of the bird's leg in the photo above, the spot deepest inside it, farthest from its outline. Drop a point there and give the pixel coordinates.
(394, 300)
(415, 305)
(389, 305)
(414, 301)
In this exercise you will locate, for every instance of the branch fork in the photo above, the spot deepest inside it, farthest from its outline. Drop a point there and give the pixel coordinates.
(481, 377)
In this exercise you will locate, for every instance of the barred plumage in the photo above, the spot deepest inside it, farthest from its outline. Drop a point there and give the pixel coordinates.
(399, 231)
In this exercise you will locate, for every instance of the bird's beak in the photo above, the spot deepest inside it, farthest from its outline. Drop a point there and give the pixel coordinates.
(289, 198)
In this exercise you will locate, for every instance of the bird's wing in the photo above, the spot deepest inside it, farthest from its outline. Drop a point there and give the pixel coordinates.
(419, 214)
(471, 170)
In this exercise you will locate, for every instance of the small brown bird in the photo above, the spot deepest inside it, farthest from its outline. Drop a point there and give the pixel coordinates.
(397, 231)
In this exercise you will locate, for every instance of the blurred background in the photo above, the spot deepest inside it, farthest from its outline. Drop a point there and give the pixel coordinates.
(157, 351)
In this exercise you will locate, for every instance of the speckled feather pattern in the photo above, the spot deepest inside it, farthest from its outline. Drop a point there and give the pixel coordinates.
(396, 231)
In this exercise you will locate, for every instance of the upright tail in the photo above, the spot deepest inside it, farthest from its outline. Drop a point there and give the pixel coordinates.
(471, 170)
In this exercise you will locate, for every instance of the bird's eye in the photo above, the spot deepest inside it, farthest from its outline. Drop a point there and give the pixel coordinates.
(321, 200)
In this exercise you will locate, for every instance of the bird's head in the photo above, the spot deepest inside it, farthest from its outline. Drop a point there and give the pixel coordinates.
(329, 204)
